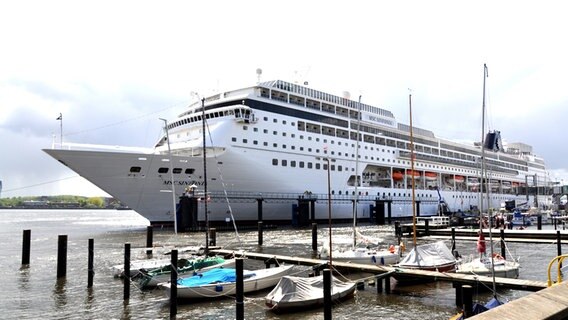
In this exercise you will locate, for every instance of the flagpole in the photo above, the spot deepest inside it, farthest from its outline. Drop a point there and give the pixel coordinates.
(60, 130)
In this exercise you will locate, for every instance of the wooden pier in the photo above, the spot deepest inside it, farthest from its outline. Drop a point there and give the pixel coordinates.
(455, 278)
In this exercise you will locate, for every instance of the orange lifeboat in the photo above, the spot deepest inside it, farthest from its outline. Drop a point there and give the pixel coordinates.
(410, 173)
(515, 184)
(459, 179)
(397, 175)
(431, 176)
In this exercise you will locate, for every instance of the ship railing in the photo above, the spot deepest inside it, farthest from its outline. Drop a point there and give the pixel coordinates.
(99, 147)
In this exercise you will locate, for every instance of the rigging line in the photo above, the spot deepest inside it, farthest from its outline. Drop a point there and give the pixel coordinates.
(223, 184)
(120, 122)
(41, 184)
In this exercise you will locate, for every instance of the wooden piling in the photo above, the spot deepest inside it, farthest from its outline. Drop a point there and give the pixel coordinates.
(126, 277)
(26, 247)
(453, 239)
(427, 227)
(503, 249)
(379, 283)
(387, 285)
(212, 237)
(459, 300)
(467, 297)
(149, 239)
(539, 222)
(90, 263)
(173, 284)
(260, 233)
(62, 256)
(327, 294)
(240, 290)
(314, 236)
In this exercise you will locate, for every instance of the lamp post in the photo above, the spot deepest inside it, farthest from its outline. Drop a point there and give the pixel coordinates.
(171, 175)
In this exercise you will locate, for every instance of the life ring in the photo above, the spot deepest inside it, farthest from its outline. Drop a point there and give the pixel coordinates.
(391, 248)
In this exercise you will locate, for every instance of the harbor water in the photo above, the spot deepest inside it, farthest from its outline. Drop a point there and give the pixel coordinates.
(35, 292)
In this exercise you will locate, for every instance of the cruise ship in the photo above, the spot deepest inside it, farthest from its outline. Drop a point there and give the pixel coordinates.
(274, 143)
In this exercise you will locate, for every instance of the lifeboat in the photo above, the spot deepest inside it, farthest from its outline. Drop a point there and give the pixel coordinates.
(474, 182)
(456, 179)
(410, 173)
(506, 185)
(397, 175)
(430, 176)
(515, 184)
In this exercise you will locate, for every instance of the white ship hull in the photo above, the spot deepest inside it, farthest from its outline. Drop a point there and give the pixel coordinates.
(274, 153)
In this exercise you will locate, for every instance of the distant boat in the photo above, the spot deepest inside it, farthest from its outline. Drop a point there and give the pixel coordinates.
(221, 282)
(300, 293)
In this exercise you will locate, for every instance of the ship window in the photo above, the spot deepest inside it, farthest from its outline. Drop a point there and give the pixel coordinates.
(274, 132)
(265, 144)
(265, 131)
(245, 128)
(163, 170)
(318, 166)
(254, 142)
(274, 162)
(189, 171)
(332, 167)
(135, 169)
(275, 120)
(325, 166)
(310, 165)
(339, 168)
(301, 164)
(234, 139)
(255, 129)
(283, 121)
(284, 163)
(301, 148)
(275, 145)
(265, 118)
(293, 147)
(177, 170)
(245, 140)
(293, 163)
(283, 146)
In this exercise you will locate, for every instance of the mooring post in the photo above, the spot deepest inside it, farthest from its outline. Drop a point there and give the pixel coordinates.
(379, 284)
(388, 285)
(126, 276)
(90, 263)
(539, 222)
(427, 226)
(62, 256)
(467, 292)
(240, 289)
(260, 233)
(173, 284)
(503, 251)
(453, 239)
(327, 294)
(397, 231)
(149, 239)
(26, 246)
(314, 236)
(459, 300)
(212, 237)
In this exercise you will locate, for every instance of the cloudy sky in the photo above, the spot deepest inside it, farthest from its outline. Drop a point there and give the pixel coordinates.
(113, 68)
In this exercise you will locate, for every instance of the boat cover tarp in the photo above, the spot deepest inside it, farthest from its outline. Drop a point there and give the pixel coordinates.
(428, 255)
(217, 275)
(298, 290)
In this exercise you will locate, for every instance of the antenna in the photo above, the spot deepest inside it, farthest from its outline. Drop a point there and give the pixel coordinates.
(258, 74)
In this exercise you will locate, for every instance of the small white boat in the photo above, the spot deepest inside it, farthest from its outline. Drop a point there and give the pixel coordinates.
(482, 267)
(299, 292)
(221, 282)
(363, 255)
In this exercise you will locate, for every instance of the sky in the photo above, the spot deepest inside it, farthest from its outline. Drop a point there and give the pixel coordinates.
(114, 68)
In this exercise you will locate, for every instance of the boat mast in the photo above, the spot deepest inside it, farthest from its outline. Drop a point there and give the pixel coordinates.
(487, 184)
(412, 173)
(205, 197)
(174, 214)
(356, 174)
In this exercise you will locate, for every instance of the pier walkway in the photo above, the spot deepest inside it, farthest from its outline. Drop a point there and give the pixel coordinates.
(455, 278)
(550, 303)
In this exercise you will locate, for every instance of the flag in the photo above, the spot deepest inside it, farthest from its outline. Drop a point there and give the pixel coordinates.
(60, 117)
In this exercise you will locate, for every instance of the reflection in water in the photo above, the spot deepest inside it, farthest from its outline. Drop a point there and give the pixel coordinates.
(125, 310)
(60, 293)
(90, 299)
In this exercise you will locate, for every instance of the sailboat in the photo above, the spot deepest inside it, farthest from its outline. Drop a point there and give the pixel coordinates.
(370, 253)
(431, 256)
(495, 265)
